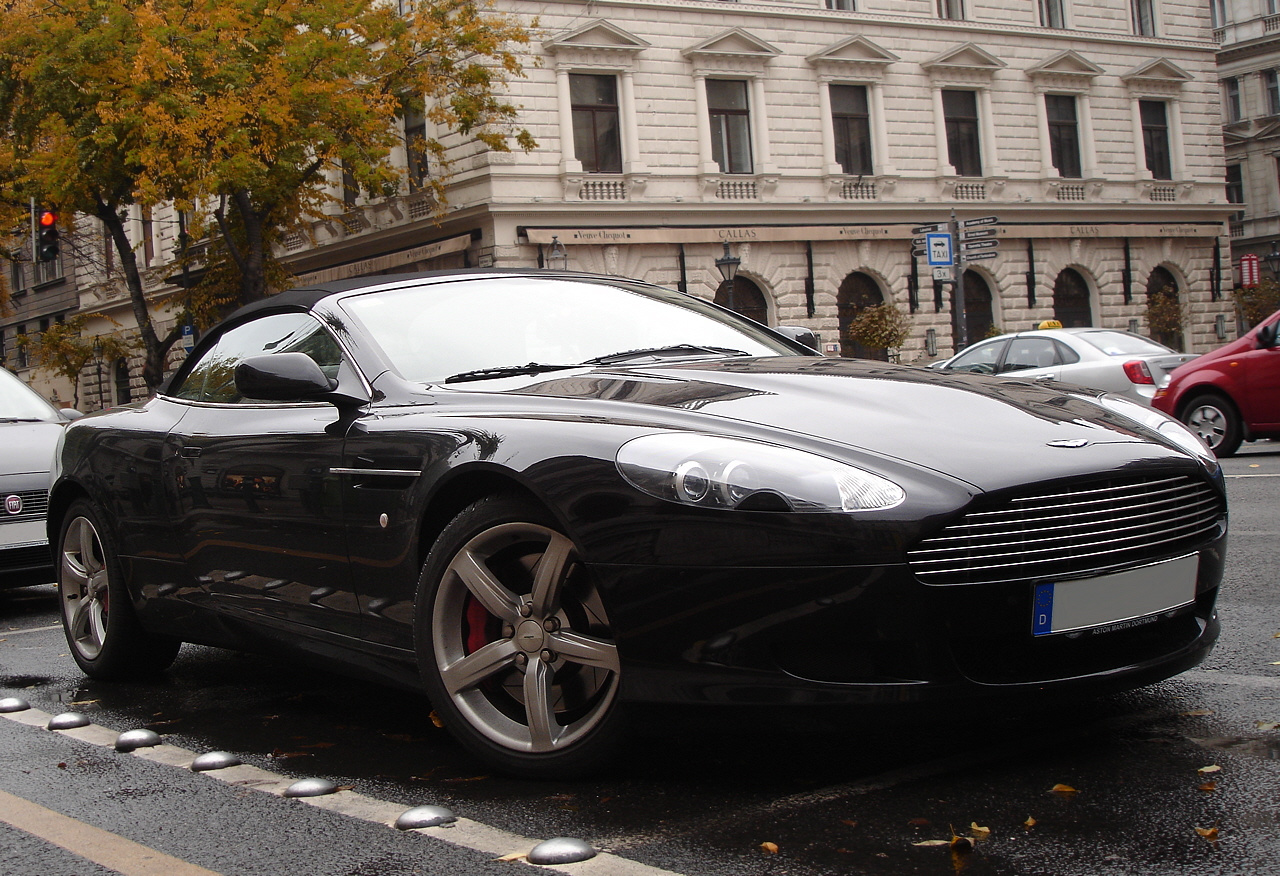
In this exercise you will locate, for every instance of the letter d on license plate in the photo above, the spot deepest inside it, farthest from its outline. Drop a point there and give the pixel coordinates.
(1066, 606)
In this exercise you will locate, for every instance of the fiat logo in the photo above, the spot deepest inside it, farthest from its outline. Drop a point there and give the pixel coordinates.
(13, 504)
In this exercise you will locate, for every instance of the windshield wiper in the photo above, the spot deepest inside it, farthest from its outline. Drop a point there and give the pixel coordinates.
(21, 420)
(672, 350)
(504, 371)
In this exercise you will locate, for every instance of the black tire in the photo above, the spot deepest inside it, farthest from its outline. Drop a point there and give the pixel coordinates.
(1216, 421)
(514, 645)
(106, 639)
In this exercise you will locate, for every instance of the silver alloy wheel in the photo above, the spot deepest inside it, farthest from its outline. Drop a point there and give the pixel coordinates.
(521, 640)
(1209, 422)
(82, 583)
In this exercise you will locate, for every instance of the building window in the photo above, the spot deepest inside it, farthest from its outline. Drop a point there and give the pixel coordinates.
(730, 125)
(842, 5)
(1231, 90)
(851, 119)
(960, 109)
(1144, 17)
(1271, 81)
(1051, 14)
(952, 9)
(350, 188)
(22, 348)
(17, 277)
(1235, 189)
(1155, 138)
(597, 139)
(1218, 12)
(1064, 134)
(415, 146)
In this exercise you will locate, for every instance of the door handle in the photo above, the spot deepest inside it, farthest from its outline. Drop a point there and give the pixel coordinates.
(190, 452)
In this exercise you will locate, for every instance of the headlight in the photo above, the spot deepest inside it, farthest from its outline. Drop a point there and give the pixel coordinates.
(1158, 421)
(713, 472)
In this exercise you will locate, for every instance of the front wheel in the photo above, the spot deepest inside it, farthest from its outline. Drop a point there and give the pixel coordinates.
(106, 639)
(1215, 420)
(514, 644)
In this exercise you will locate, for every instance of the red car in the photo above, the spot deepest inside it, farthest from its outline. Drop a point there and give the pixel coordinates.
(1231, 394)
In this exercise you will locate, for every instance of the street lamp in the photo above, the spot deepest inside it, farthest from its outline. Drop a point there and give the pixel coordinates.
(727, 265)
(1273, 259)
(558, 258)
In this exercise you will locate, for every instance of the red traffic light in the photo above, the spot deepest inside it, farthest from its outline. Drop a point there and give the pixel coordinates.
(48, 219)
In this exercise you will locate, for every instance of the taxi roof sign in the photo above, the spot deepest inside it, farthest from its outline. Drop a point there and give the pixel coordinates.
(1049, 324)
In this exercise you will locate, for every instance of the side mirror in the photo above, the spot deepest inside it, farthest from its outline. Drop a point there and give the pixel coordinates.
(283, 377)
(1267, 335)
(71, 413)
(800, 335)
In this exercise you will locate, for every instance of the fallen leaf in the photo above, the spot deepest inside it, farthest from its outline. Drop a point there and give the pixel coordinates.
(930, 843)
(435, 719)
(1209, 833)
(62, 766)
(1198, 713)
(919, 822)
(514, 856)
(769, 848)
(277, 754)
(1063, 789)
(849, 822)
(1208, 787)
(1274, 663)
(1267, 725)
(961, 844)
(1206, 770)
(1276, 636)
(1029, 823)
(979, 833)
(460, 780)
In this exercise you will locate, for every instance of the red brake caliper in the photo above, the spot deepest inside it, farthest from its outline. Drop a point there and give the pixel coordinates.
(478, 621)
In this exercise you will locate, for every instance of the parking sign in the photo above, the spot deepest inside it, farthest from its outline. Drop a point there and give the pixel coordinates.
(939, 250)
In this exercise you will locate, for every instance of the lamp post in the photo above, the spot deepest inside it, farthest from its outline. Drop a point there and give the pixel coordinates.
(557, 258)
(727, 265)
(1273, 259)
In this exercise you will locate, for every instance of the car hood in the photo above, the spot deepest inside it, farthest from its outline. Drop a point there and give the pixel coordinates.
(28, 447)
(988, 432)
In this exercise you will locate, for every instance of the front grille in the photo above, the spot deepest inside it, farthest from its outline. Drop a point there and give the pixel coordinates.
(1073, 530)
(35, 504)
(31, 557)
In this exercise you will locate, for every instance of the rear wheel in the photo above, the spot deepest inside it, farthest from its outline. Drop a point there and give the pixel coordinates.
(1215, 420)
(106, 639)
(514, 643)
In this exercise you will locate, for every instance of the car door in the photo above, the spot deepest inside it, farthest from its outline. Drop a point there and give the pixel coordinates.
(982, 358)
(1034, 358)
(258, 513)
(1260, 375)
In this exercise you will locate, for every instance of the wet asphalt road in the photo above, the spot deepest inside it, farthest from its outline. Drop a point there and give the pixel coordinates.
(834, 793)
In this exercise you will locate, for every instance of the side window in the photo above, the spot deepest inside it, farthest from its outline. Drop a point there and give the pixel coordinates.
(980, 360)
(1066, 355)
(1027, 353)
(212, 378)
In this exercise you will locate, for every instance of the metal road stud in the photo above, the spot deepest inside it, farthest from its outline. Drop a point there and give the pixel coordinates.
(560, 850)
(68, 721)
(214, 760)
(425, 816)
(311, 788)
(14, 704)
(131, 740)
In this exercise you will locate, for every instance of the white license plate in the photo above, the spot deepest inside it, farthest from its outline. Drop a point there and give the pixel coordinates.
(1066, 606)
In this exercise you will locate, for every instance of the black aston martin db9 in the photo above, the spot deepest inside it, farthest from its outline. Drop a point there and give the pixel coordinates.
(539, 496)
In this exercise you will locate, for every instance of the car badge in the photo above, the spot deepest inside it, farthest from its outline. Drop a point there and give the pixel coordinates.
(1069, 442)
(13, 504)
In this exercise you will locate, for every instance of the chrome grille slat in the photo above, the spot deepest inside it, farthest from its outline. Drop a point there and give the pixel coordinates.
(1070, 532)
(35, 505)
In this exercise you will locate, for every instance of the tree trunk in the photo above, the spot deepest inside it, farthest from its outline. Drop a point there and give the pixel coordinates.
(154, 349)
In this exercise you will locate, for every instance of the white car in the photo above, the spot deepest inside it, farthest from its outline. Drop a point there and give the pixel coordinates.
(29, 430)
(1108, 359)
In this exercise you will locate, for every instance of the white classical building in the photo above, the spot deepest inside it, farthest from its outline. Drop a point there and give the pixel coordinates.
(812, 137)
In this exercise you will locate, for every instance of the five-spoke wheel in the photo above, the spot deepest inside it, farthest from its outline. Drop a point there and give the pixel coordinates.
(515, 644)
(1215, 420)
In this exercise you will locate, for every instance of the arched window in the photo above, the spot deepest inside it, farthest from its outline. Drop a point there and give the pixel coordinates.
(123, 393)
(1071, 300)
(856, 294)
(978, 316)
(1164, 308)
(744, 297)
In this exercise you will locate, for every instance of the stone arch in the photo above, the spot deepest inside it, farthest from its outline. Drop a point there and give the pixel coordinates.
(858, 291)
(744, 296)
(1164, 307)
(979, 306)
(1072, 299)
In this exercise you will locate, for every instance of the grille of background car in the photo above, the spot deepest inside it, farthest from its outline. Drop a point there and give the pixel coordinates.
(35, 504)
(1069, 531)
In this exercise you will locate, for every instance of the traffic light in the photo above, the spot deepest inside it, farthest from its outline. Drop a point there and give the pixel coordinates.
(47, 236)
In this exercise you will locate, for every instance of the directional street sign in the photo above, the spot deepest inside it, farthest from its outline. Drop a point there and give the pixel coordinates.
(927, 229)
(978, 256)
(940, 253)
(917, 252)
(980, 244)
(985, 220)
(976, 233)
(918, 241)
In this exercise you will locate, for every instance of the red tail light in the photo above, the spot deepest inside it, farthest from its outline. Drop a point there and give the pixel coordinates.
(1138, 372)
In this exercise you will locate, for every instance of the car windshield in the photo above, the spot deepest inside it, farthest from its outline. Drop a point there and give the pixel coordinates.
(20, 403)
(1124, 344)
(435, 331)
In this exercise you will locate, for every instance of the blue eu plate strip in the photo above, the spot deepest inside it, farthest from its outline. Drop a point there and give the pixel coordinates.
(1042, 621)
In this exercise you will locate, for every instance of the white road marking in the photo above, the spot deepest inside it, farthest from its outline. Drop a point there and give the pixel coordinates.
(1229, 678)
(32, 630)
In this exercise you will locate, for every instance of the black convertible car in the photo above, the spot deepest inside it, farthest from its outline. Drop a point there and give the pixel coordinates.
(538, 496)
